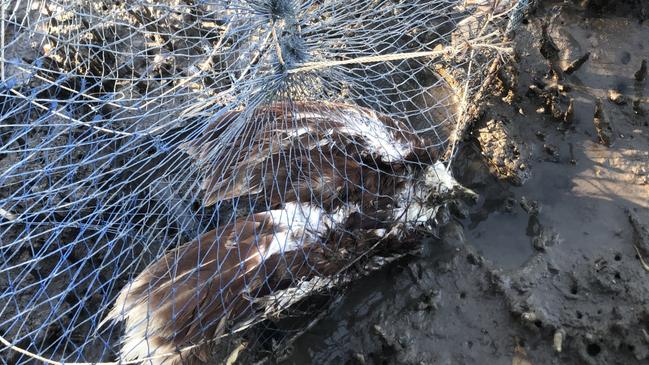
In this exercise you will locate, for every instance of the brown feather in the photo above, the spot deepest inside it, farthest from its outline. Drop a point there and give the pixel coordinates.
(271, 164)
(180, 298)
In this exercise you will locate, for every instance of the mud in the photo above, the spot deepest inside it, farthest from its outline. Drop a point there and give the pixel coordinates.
(547, 268)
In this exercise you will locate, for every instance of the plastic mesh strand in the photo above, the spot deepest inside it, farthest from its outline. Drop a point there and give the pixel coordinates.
(244, 128)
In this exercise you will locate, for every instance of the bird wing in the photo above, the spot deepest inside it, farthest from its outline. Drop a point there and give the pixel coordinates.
(188, 294)
(316, 152)
(309, 163)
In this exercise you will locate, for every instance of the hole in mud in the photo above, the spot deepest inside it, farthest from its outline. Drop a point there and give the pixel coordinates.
(626, 57)
(593, 349)
(538, 323)
(618, 276)
(574, 290)
(471, 259)
(631, 348)
(462, 295)
(618, 257)
(579, 315)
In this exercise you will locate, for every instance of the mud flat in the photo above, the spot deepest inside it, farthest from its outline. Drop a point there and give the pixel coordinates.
(550, 265)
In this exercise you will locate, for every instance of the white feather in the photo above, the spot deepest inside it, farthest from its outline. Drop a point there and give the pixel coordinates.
(364, 123)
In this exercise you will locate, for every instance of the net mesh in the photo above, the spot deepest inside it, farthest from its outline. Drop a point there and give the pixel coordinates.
(173, 172)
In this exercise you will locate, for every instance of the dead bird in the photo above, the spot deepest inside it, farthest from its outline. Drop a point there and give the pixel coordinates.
(329, 183)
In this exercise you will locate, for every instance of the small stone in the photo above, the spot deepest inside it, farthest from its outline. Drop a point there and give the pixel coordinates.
(545, 239)
(530, 207)
(533, 90)
(616, 97)
(551, 150)
(529, 316)
(557, 341)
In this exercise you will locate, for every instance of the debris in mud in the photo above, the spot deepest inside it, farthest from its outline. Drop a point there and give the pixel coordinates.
(575, 65)
(530, 207)
(641, 74)
(557, 340)
(552, 150)
(555, 101)
(637, 108)
(548, 47)
(520, 356)
(568, 116)
(504, 152)
(545, 238)
(641, 174)
(640, 239)
(616, 97)
(505, 84)
(602, 125)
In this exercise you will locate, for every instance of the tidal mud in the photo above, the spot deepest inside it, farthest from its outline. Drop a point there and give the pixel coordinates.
(548, 267)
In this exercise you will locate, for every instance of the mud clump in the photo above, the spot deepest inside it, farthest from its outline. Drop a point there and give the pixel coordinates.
(505, 153)
(602, 125)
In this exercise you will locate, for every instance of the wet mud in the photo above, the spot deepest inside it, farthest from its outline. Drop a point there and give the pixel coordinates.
(550, 267)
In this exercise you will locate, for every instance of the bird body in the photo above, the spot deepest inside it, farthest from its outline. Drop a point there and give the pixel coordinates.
(329, 182)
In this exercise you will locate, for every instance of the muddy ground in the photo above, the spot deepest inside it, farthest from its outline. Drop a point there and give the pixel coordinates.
(545, 269)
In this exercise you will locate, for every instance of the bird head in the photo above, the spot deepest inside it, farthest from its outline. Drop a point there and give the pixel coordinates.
(431, 200)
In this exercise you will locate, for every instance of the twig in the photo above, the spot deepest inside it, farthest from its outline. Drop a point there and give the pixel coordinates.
(10, 346)
(310, 66)
(474, 109)
(641, 237)
(642, 261)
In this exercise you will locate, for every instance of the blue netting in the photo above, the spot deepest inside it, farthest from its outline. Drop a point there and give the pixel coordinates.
(220, 152)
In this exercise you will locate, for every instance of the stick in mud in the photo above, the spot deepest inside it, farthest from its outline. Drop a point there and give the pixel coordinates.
(603, 127)
(641, 74)
(640, 238)
(576, 65)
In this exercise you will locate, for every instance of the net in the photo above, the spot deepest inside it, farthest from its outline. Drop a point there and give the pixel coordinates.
(174, 172)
